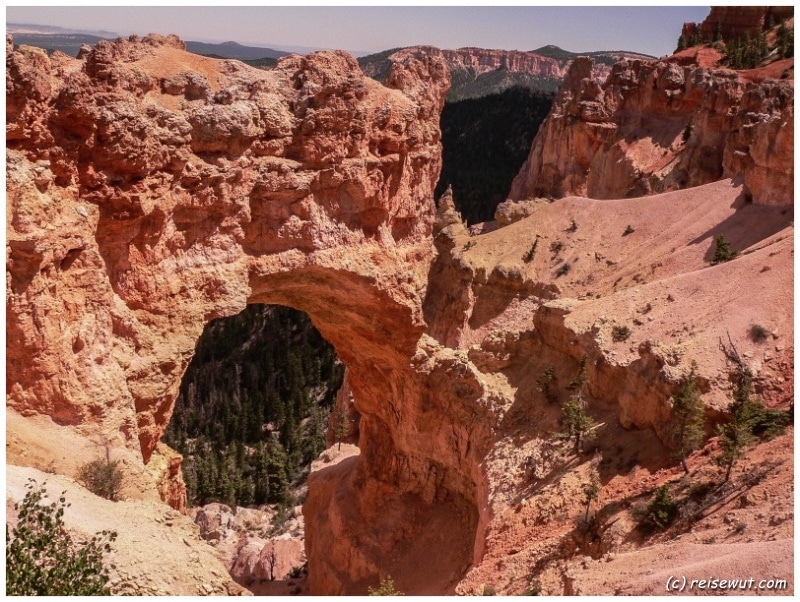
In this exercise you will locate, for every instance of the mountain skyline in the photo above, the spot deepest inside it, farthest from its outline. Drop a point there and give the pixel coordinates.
(363, 30)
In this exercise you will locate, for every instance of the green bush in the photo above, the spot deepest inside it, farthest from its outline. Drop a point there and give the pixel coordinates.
(563, 270)
(386, 588)
(102, 477)
(758, 334)
(723, 251)
(43, 560)
(530, 253)
(662, 510)
(620, 333)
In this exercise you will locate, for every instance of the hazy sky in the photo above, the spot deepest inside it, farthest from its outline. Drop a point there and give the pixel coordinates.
(651, 30)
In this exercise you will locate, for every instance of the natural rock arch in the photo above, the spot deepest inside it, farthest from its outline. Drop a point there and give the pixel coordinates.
(151, 190)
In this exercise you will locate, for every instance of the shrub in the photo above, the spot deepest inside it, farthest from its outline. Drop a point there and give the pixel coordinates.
(102, 477)
(42, 559)
(386, 588)
(573, 226)
(580, 377)
(687, 132)
(556, 246)
(723, 251)
(628, 230)
(563, 270)
(620, 333)
(662, 509)
(530, 253)
(468, 245)
(758, 334)
(547, 384)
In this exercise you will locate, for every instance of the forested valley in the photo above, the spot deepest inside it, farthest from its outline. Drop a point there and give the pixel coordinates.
(253, 406)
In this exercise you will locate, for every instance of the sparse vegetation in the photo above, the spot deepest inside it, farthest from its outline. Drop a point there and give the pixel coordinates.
(620, 333)
(340, 424)
(647, 308)
(43, 560)
(785, 41)
(580, 377)
(103, 477)
(563, 270)
(576, 421)
(573, 226)
(386, 588)
(487, 590)
(468, 245)
(591, 491)
(662, 510)
(722, 251)
(746, 53)
(556, 247)
(628, 230)
(547, 384)
(758, 334)
(687, 132)
(687, 417)
(531, 253)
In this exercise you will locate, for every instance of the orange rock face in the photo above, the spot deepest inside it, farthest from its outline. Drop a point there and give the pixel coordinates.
(658, 126)
(151, 190)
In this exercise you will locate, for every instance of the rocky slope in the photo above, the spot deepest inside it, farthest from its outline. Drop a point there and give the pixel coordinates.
(150, 191)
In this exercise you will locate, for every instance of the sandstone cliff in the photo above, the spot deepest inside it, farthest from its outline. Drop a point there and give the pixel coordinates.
(151, 190)
(477, 71)
(658, 126)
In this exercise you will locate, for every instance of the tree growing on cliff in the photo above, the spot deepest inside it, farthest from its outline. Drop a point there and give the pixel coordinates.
(591, 491)
(576, 421)
(687, 416)
(341, 423)
(43, 560)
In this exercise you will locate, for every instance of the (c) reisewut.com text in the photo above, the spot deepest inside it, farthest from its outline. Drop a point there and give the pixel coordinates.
(684, 585)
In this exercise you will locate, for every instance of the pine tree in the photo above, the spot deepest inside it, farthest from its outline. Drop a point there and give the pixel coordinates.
(687, 415)
(576, 421)
(340, 423)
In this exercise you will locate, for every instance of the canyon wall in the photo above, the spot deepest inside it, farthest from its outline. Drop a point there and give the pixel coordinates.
(658, 126)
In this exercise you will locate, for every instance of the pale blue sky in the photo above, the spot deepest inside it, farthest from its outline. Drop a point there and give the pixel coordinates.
(651, 30)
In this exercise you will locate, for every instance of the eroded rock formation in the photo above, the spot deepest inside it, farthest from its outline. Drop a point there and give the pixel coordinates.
(658, 126)
(151, 190)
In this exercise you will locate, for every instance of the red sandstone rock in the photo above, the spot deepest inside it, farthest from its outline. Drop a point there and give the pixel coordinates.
(628, 136)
